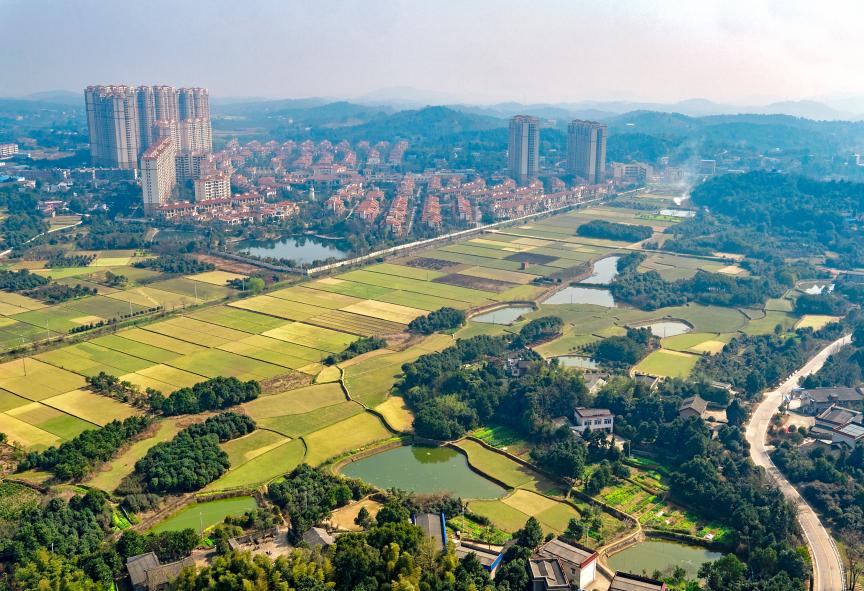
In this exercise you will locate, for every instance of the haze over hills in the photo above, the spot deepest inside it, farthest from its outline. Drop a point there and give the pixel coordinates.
(406, 98)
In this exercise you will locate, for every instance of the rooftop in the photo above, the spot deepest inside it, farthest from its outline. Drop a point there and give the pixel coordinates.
(694, 402)
(629, 582)
(593, 412)
(550, 570)
(572, 553)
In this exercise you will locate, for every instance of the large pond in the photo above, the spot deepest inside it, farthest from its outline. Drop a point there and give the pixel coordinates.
(302, 250)
(507, 315)
(582, 295)
(577, 361)
(423, 469)
(668, 328)
(661, 555)
(200, 516)
(605, 271)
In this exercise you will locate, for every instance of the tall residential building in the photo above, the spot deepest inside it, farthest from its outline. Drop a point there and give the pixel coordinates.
(586, 151)
(212, 186)
(112, 118)
(8, 150)
(158, 173)
(523, 148)
(124, 120)
(192, 165)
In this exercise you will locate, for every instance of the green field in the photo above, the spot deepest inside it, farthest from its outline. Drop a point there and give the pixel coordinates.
(295, 425)
(505, 470)
(294, 402)
(667, 364)
(15, 499)
(350, 434)
(263, 468)
(201, 516)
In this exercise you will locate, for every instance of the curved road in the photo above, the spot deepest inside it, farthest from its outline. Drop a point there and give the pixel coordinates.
(827, 564)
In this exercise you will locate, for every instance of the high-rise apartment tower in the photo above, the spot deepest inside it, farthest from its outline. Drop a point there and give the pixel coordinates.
(523, 148)
(586, 151)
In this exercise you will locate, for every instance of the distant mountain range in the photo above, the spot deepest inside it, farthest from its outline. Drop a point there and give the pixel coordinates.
(404, 98)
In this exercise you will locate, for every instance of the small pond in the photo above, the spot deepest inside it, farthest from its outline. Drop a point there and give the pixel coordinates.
(667, 328)
(302, 249)
(661, 555)
(507, 315)
(582, 295)
(605, 271)
(819, 288)
(423, 469)
(200, 516)
(577, 361)
(678, 213)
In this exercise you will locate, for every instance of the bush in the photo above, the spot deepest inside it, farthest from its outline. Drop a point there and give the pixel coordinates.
(441, 319)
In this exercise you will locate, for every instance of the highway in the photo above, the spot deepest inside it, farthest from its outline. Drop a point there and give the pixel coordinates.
(827, 564)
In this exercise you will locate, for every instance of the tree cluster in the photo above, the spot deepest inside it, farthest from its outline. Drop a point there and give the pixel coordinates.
(180, 264)
(358, 347)
(614, 231)
(540, 329)
(442, 319)
(213, 394)
(192, 459)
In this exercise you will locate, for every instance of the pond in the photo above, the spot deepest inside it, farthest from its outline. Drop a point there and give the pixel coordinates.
(200, 516)
(582, 295)
(605, 271)
(678, 213)
(661, 555)
(577, 361)
(423, 469)
(303, 250)
(507, 315)
(667, 328)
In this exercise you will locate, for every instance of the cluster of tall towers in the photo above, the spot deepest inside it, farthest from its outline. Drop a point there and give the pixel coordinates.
(124, 121)
(586, 150)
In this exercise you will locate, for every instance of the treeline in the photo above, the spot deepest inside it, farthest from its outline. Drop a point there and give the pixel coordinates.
(442, 319)
(54, 293)
(191, 460)
(69, 260)
(213, 394)
(843, 368)
(614, 231)
(770, 215)
(175, 264)
(358, 347)
(752, 363)
(22, 219)
(104, 234)
(827, 304)
(470, 384)
(21, 280)
(831, 480)
(74, 459)
(649, 291)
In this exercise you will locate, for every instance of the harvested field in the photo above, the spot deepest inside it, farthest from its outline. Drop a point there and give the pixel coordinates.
(343, 517)
(314, 297)
(216, 362)
(499, 274)
(281, 308)
(25, 434)
(355, 323)
(160, 341)
(473, 282)
(385, 311)
(404, 271)
(531, 258)
(91, 407)
(237, 319)
(312, 336)
(35, 380)
(428, 263)
(118, 343)
(215, 277)
(299, 401)
(397, 414)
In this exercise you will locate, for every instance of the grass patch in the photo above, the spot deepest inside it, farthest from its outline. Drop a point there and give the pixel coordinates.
(347, 435)
(200, 516)
(667, 364)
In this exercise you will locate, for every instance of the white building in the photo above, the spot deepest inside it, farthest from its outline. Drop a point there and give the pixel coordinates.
(8, 150)
(158, 174)
(593, 419)
(214, 186)
(849, 435)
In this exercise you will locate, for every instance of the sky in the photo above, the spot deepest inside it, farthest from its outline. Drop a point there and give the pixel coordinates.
(483, 51)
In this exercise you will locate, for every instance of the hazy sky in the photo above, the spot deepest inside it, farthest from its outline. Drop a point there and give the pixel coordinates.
(479, 50)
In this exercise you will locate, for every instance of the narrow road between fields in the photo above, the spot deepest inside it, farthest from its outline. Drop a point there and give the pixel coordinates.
(827, 564)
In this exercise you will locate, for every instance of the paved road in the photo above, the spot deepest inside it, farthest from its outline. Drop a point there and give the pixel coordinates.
(827, 564)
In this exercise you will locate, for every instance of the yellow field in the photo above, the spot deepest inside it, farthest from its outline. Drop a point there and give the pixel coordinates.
(158, 340)
(25, 434)
(500, 274)
(815, 321)
(297, 401)
(215, 277)
(328, 374)
(711, 347)
(343, 517)
(385, 311)
(397, 414)
(91, 407)
(36, 380)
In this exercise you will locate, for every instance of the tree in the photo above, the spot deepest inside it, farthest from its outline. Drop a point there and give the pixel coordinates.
(725, 574)
(531, 535)
(736, 414)
(575, 530)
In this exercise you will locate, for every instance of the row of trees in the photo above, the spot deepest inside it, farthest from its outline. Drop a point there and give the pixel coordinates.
(358, 347)
(213, 394)
(77, 457)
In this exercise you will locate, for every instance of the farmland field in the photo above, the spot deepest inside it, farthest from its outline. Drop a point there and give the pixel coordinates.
(262, 468)
(667, 364)
(200, 516)
(504, 469)
(358, 431)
